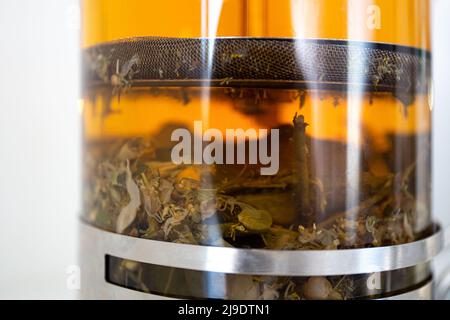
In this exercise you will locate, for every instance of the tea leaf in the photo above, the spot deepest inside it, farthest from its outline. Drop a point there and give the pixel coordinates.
(128, 213)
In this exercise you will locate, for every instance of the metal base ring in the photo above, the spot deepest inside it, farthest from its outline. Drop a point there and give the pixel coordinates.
(265, 262)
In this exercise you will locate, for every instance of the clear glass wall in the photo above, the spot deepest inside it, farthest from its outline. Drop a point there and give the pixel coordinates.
(288, 125)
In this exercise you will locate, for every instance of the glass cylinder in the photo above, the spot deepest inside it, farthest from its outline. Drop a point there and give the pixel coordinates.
(258, 124)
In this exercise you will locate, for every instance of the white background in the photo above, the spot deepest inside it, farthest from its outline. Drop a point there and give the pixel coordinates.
(39, 142)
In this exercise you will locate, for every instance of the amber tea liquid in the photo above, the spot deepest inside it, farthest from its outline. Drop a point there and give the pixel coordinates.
(361, 164)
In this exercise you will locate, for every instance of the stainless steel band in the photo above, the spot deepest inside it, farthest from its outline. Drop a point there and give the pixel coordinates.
(114, 292)
(266, 262)
(423, 293)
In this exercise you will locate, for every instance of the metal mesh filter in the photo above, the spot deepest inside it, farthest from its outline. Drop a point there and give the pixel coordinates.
(258, 62)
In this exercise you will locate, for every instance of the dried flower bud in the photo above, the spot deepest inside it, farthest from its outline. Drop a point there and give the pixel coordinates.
(317, 288)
